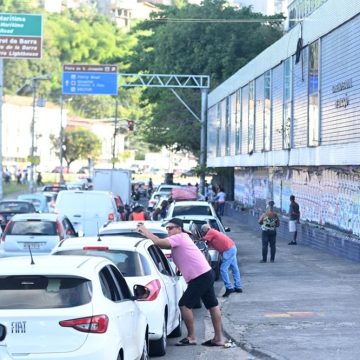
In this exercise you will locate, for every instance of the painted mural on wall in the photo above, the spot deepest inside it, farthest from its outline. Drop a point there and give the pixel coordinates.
(328, 197)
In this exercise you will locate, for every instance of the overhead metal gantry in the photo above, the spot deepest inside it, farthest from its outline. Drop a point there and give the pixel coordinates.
(172, 82)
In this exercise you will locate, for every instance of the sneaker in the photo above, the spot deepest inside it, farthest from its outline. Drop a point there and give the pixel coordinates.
(292, 243)
(228, 292)
(238, 290)
(262, 261)
(272, 260)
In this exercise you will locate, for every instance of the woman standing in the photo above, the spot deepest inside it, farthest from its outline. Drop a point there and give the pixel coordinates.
(269, 221)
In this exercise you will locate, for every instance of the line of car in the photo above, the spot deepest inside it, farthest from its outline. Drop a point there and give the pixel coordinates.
(125, 260)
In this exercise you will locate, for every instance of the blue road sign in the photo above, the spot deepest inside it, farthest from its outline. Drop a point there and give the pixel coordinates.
(90, 80)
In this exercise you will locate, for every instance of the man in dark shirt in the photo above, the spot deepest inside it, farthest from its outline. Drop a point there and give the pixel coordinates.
(294, 213)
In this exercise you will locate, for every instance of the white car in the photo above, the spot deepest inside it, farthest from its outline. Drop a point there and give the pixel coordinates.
(141, 262)
(128, 228)
(70, 308)
(155, 198)
(34, 232)
(181, 208)
(87, 210)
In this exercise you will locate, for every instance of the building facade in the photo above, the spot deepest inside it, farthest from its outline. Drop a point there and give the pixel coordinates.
(288, 122)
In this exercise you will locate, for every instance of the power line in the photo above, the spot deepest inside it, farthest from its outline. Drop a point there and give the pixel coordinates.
(216, 20)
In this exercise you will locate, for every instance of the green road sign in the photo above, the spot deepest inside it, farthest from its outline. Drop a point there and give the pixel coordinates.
(20, 36)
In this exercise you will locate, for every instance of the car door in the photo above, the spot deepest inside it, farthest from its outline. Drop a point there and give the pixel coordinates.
(171, 285)
(136, 336)
(120, 312)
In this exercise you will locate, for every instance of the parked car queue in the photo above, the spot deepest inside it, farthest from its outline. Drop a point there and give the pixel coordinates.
(140, 265)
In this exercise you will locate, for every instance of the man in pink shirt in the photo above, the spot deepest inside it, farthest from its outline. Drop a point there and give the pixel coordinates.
(226, 247)
(198, 275)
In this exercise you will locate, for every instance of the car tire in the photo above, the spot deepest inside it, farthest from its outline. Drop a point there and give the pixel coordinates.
(178, 330)
(158, 347)
(145, 352)
(216, 267)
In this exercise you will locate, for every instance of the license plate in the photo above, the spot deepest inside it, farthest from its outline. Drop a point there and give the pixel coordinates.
(33, 245)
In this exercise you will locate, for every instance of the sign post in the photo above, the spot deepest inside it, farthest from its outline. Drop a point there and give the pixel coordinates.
(90, 80)
(20, 38)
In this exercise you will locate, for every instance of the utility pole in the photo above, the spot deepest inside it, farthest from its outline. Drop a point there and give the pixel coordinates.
(115, 133)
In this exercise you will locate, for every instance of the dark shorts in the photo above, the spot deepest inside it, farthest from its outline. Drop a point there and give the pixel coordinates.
(202, 288)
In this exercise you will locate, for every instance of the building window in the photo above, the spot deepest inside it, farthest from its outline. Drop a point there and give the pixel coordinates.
(238, 123)
(251, 117)
(228, 111)
(314, 116)
(287, 109)
(267, 111)
(218, 130)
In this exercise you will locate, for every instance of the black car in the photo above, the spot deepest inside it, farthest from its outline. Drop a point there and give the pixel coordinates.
(9, 208)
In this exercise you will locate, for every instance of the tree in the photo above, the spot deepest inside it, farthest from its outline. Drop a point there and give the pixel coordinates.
(212, 39)
(79, 143)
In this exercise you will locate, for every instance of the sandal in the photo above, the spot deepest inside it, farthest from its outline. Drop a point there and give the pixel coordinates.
(185, 342)
(211, 343)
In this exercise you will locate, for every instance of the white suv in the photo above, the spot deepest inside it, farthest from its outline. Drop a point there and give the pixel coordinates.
(181, 208)
(70, 308)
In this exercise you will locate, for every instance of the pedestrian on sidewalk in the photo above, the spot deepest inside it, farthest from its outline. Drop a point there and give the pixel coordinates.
(269, 221)
(294, 213)
(227, 248)
(198, 275)
(220, 199)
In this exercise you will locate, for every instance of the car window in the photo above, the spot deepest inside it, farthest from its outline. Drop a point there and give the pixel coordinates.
(214, 224)
(128, 262)
(164, 261)
(109, 286)
(161, 266)
(43, 292)
(32, 227)
(191, 210)
(69, 229)
(17, 207)
(124, 289)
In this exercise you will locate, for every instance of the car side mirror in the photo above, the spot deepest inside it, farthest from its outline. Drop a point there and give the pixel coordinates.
(227, 229)
(141, 292)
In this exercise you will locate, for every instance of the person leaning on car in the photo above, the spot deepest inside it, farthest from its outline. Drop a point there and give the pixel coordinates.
(198, 275)
(227, 248)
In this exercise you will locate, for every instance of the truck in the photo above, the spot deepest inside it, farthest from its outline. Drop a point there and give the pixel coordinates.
(117, 181)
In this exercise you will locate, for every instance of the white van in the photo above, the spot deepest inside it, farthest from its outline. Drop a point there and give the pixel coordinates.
(88, 211)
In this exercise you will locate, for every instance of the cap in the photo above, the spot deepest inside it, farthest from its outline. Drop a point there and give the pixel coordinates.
(176, 221)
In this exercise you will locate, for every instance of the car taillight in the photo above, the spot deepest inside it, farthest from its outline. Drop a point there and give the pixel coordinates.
(5, 230)
(97, 248)
(93, 324)
(154, 287)
(111, 217)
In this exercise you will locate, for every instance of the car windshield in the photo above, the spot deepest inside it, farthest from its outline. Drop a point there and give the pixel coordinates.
(32, 227)
(20, 207)
(191, 210)
(130, 263)
(43, 292)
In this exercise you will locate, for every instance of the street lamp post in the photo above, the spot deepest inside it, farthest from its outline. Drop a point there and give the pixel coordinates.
(35, 82)
(115, 133)
(61, 138)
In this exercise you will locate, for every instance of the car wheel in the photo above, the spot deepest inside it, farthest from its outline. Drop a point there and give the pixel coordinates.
(216, 267)
(158, 347)
(178, 330)
(145, 353)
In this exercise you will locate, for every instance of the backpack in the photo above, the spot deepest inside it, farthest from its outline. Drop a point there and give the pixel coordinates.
(270, 224)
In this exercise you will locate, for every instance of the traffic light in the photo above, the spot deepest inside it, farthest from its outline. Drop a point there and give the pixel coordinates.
(130, 125)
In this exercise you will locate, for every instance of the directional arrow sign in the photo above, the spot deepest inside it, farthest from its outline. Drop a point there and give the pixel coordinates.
(90, 80)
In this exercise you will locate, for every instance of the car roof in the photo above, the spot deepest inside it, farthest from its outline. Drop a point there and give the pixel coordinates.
(126, 243)
(197, 217)
(50, 265)
(191, 202)
(36, 216)
(124, 225)
(31, 196)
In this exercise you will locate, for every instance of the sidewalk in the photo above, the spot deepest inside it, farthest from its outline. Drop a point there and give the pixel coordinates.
(303, 306)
